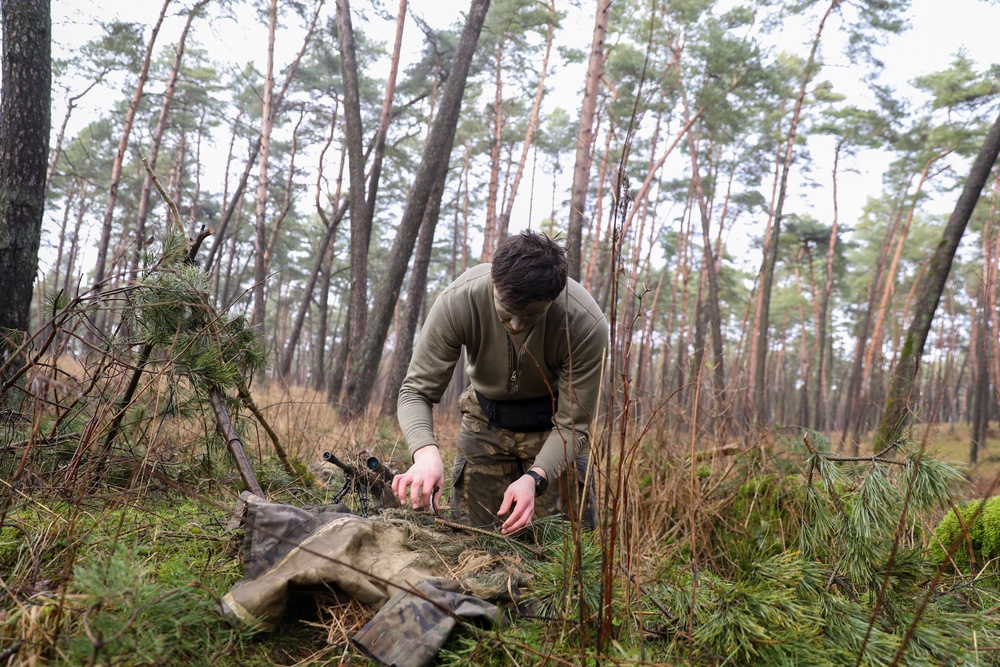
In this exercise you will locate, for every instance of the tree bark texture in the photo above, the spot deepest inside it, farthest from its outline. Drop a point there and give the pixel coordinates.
(415, 302)
(902, 388)
(360, 214)
(25, 118)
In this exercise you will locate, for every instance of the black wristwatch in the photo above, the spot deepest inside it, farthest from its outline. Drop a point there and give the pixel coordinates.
(541, 483)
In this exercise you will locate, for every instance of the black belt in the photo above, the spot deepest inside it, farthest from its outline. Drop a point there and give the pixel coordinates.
(523, 415)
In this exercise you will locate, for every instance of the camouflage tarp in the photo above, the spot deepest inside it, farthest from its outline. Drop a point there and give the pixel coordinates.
(369, 559)
(413, 626)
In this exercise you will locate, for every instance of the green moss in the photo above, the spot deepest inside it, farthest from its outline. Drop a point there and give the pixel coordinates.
(982, 521)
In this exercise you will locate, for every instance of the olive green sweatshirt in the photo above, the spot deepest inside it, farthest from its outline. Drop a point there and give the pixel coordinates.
(563, 352)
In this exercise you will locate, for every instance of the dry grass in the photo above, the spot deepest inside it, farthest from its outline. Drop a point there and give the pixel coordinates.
(307, 425)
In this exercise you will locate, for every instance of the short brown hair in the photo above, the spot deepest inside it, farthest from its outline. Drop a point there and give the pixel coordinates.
(527, 268)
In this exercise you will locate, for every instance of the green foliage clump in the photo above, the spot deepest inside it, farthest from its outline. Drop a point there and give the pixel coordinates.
(856, 591)
(127, 585)
(767, 614)
(172, 309)
(129, 618)
(569, 578)
(976, 525)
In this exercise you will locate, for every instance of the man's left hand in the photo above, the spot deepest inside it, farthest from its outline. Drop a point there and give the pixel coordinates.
(519, 500)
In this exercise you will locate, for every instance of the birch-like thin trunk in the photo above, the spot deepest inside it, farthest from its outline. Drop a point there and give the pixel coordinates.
(584, 137)
(257, 317)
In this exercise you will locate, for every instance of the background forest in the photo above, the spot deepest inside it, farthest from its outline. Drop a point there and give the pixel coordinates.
(721, 121)
(249, 208)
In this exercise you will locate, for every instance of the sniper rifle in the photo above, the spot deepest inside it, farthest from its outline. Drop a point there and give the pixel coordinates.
(371, 476)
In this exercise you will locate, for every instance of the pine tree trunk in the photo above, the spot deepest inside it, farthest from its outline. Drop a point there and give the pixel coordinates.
(433, 170)
(360, 218)
(258, 315)
(157, 140)
(287, 197)
(116, 167)
(584, 134)
(821, 421)
(854, 411)
(595, 270)
(284, 367)
(503, 224)
(237, 197)
(63, 232)
(74, 246)
(771, 257)
(712, 305)
(414, 310)
(875, 343)
(490, 227)
(70, 106)
(25, 119)
(980, 390)
(321, 265)
(991, 258)
(896, 415)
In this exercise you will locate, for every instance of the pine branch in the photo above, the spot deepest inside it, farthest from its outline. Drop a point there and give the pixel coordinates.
(248, 401)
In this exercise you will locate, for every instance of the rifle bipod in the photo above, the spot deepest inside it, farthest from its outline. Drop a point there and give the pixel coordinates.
(371, 475)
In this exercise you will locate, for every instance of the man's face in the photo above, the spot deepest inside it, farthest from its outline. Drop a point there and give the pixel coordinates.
(518, 321)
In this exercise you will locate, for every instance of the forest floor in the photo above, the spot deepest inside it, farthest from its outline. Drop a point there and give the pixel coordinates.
(758, 558)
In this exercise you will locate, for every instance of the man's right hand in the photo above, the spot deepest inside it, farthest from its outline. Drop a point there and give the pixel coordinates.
(425, 479)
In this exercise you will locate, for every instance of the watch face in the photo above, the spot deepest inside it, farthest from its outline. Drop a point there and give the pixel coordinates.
(541, 483)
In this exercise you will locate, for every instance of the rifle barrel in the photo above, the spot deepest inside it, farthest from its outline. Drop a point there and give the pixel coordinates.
(329, 457)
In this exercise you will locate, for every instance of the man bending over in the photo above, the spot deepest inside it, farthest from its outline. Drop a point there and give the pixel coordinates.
(535, 342)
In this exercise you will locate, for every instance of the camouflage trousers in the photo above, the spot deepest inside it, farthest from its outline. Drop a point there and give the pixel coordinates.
(489, 460)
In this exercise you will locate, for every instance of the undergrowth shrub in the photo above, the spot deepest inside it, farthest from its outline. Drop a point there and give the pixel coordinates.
(124, 615)
(811, 561)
